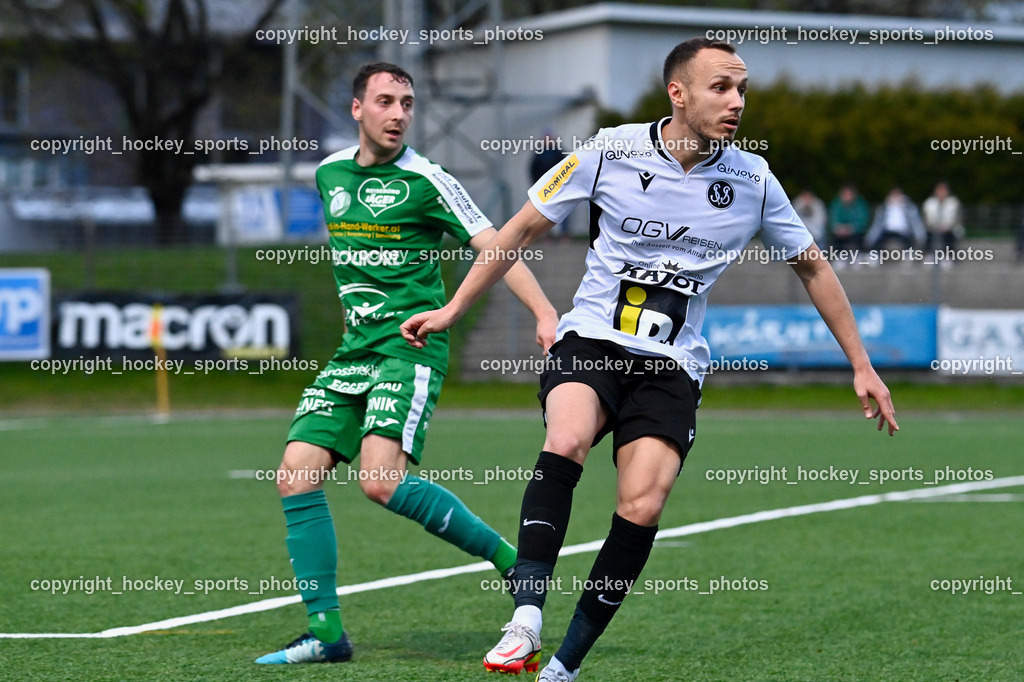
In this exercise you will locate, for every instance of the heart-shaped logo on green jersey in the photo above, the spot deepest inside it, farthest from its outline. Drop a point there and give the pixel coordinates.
(379, 197)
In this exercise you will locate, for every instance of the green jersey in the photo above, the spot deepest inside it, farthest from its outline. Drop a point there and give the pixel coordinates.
(386, 223)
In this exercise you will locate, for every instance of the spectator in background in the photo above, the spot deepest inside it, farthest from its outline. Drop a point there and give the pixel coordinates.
(942, 218)
(898, 221)
(547, 158)
(1020, 240)
(813, 213)
(848, 219)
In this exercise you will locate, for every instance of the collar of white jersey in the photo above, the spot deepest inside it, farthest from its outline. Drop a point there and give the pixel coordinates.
(659, 145)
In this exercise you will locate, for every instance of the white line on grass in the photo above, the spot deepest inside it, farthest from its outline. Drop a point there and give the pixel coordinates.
(995, 497)
(436, 574)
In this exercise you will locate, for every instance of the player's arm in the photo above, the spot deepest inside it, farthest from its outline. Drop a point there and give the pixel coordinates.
(829, 298)
(524, 285)
(496, 258)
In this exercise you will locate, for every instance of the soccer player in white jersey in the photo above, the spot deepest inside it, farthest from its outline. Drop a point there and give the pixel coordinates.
(672, 204)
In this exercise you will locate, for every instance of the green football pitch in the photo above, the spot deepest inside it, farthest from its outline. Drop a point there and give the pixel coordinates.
(112, 526)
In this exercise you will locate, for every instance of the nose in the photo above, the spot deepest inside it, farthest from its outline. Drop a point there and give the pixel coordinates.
(737, 102)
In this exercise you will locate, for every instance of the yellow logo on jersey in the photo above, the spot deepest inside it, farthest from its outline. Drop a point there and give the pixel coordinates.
(560, 177)
(650, 312)
(629, 314)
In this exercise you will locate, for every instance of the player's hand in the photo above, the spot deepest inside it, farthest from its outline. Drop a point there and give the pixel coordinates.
(869, 387)
(546, 326)
(416, 329)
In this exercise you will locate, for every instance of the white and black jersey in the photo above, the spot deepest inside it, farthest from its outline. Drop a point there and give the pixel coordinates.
(660, 238)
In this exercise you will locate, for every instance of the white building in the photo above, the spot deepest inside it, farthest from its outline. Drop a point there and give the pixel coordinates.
(554, 71)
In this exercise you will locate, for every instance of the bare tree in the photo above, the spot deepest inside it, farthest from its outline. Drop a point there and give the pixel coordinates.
(165, 59)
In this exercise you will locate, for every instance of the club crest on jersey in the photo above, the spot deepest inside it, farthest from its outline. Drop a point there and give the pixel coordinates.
(340, 201)
(378, 197)
(650, 312)
(721, 194)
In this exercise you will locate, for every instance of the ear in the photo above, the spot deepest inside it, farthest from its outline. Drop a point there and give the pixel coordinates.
(357, 110)
(677, 94)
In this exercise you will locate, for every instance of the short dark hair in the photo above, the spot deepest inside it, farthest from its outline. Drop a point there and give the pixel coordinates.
(366, 71)
(683, 53)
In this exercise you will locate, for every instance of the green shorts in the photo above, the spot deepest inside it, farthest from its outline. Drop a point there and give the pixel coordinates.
(373, 393)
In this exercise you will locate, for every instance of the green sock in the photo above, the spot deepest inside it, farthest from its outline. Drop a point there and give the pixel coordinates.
(504, 556)
(313, 548)
(326, 625)
(443, 514)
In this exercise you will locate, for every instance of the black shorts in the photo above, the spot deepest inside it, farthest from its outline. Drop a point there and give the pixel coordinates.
(642, 396)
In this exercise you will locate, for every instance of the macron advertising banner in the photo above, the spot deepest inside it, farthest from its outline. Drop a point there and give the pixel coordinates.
(786, 336)
(24, 313)
(214, 326)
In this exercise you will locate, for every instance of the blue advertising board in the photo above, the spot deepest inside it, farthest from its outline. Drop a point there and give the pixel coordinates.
(787, 336)
(254, 216)
(306, 213)
(24, 314)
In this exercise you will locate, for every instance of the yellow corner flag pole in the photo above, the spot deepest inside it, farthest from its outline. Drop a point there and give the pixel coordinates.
(163, 393)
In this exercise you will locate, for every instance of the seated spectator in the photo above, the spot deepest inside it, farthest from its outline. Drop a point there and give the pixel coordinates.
(942, 217)
(1020, 240)
(813, 213)
(848, 218)
(898, 223)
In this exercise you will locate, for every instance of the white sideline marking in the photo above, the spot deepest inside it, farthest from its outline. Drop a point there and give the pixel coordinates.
(436, 574)
(995, 497)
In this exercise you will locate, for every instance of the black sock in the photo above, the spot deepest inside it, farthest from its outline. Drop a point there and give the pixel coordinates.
(544, 517)
(616, 569)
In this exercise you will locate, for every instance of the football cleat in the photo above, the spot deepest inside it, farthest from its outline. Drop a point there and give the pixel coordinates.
(517, 651)
(552, 673)
(309, 649)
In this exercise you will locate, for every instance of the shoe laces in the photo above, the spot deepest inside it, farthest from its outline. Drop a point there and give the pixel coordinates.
(301, 639)
(514, 629)
(557, 676)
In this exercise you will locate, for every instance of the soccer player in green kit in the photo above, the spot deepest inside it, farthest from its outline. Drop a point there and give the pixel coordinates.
(387, 208)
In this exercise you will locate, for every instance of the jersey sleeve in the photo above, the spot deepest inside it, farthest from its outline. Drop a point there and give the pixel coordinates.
(782, 231)
(569, 182)
(454, 208)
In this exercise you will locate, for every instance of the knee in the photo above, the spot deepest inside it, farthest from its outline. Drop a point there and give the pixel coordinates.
(378, 490)
(294, 481)
(284, 488)
(643, 511)
(567, 444)
(302, 470)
